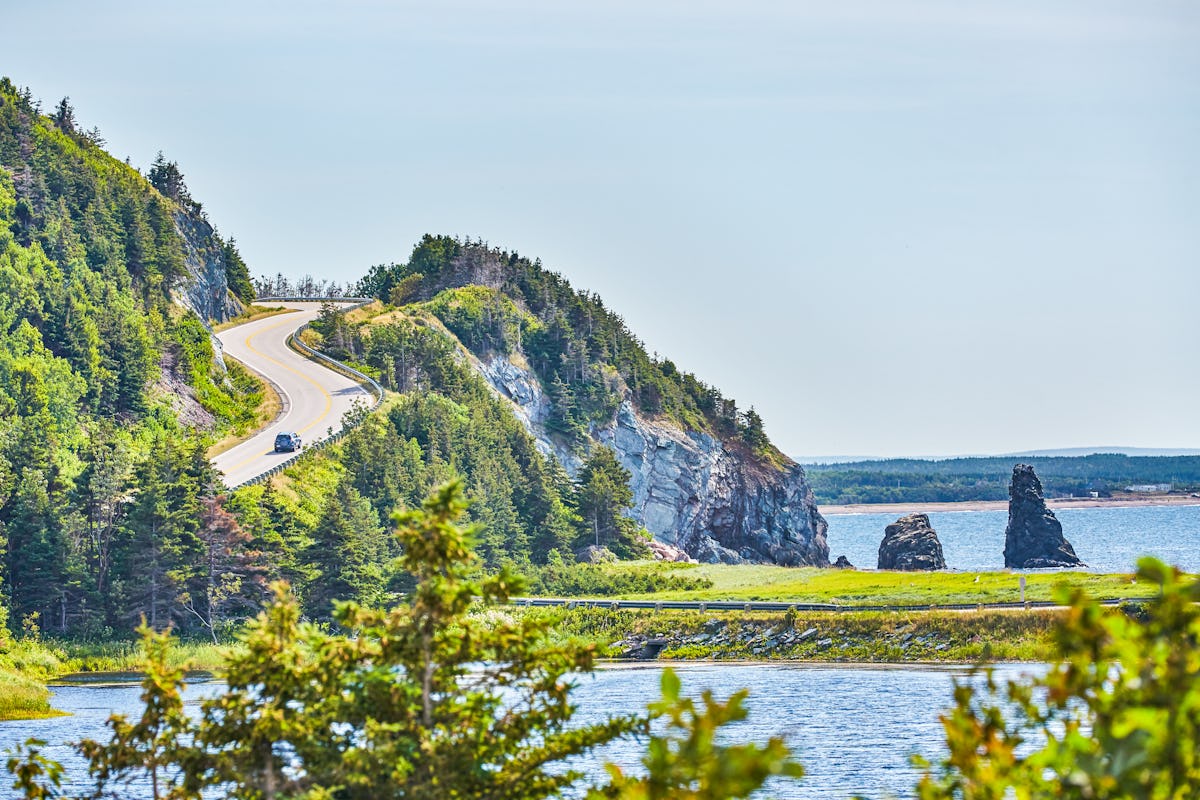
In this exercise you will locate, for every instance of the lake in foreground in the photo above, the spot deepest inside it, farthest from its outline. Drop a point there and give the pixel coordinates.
(853, 727)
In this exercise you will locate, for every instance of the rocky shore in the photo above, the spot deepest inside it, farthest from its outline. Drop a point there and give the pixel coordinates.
(886, 637)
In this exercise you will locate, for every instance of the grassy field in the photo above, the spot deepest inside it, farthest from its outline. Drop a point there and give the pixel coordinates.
(867, 588)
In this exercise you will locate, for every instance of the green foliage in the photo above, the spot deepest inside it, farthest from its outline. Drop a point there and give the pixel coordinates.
(603, 497)
(585, 356)
(483, 319)
(89, 255)
(558, 578)
(688, 763)
(35, 776)
(449, 422)
(237, 274)
(347, 554)
(431, 699)
(1116, 716)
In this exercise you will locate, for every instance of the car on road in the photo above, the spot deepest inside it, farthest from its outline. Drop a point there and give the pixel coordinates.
(287, 443)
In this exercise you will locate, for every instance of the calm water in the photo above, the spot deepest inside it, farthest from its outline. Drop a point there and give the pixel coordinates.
(853, 728)
(1107, 539)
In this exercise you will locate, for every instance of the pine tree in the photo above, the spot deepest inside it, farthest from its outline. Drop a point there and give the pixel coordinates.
(602, 498)
(237, 274)
(346, 554)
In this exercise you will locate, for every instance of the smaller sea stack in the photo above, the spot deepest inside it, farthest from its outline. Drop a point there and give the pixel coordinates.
(911, 544)
(1033, 538)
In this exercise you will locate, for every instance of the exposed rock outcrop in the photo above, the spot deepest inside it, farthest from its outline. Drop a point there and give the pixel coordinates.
(595, 555)
(691, 490)
(1033, 538)
(842, 563)
(205, 290)
(665, 552)
(910, 543)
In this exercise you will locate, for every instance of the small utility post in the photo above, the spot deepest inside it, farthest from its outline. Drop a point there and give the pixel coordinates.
(1022, 581)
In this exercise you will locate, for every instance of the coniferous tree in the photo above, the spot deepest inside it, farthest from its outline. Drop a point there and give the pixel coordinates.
(229, 583)
(237, 274)
(346, 554)
(602, 498)
(166, 176)
(64, 116)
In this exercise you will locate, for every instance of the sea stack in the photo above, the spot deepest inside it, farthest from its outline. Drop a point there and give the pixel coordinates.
(910, 544)
(1033, 538)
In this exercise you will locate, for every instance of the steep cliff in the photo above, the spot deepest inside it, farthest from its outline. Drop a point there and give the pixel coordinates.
(204, 287)
(691, 490)
(704, 476)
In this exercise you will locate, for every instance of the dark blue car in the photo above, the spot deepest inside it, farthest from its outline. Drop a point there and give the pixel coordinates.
(287, 442)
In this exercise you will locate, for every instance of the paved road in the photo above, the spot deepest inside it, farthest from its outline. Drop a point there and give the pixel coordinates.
(314, 398)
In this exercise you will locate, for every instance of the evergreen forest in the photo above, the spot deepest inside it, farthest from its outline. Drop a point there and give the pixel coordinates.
(957, 479)
(111, 396)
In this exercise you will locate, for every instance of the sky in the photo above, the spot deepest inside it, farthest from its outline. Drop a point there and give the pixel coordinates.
(894, 227)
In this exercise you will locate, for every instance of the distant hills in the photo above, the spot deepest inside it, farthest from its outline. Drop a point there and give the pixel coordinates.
(1061, 452)
(913, 480)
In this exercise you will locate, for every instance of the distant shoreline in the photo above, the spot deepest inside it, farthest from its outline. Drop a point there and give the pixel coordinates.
(1120, 501)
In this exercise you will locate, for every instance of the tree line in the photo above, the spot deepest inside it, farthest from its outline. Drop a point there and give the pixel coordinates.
(955, 479)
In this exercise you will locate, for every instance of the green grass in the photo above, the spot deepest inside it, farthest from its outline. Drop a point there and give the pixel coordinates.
(26, 665)
(126, 656)
(866, 588)
(22, 697)
(24, 668)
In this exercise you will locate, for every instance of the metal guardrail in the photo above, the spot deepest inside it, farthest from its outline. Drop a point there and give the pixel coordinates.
(358, 301)
(294, 342)
(779, 605)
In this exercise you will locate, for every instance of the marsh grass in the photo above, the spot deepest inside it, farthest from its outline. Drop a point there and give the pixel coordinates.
(27, 664)
(126, 656)
(855, 636)
(22, 697)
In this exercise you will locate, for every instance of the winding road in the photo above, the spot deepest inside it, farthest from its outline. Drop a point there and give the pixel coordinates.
(314, 397)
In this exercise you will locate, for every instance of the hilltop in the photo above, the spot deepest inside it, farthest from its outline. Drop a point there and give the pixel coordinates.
(703, 474)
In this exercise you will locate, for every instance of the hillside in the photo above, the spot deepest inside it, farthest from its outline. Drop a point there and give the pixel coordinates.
(565, 431)
(703, 474)
(957, 479)
(108, 281)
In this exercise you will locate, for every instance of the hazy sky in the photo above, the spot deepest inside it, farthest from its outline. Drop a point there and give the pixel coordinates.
(893, 227)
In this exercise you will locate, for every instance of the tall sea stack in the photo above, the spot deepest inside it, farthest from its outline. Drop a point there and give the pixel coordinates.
(1033, 538)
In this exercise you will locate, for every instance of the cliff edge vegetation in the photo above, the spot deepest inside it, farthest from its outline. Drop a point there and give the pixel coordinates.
(703, 475)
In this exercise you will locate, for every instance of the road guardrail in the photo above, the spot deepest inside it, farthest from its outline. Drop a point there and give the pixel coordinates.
(294, 341)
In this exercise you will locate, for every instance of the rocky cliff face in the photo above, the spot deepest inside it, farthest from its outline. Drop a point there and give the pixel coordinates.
(205, 290)
(1033, 538)
(691, 490)
(911, 543)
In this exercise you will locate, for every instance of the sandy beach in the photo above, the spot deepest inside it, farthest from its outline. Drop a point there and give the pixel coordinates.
(1117, 501)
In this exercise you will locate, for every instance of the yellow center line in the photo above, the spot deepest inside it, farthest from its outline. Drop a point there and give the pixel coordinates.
(320, 388)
